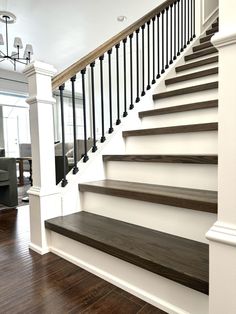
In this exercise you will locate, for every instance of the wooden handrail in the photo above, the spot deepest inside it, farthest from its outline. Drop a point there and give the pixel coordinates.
(109, 44)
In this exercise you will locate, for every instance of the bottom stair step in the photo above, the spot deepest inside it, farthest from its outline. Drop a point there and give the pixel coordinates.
(178, 259)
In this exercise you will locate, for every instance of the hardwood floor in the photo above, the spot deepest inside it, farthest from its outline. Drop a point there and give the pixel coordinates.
(30, 283)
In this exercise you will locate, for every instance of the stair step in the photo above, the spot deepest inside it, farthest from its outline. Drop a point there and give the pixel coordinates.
(185, 159)
(216, 24)
(212, 31)
(197, 64)
(201, 53)
(178, 259)
(186, 90)
(206, 38)
(181, 108)
(192, 76)
(202, 46)
(195, 199)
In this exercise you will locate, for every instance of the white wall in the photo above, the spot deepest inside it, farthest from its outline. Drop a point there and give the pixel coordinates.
(209, 7)
(13, 82)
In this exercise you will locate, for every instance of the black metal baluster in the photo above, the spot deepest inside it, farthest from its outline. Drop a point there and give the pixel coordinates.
(182, 25)
(185, 24)
(125, 113)
(110, 89)
(92, 65)
(131, 72)
(188, 22)
(179, 37)
(175, 32)
(148, 47)
(143, 61)
(167, 39)
(137, 64)
(153, 50)
(163, 55)
(158, 46)
(64, 181)
(194, 8)
(118, 121)
(85, 155)
(171, 33)
(75, 168)
(191, 24)
(103, 138)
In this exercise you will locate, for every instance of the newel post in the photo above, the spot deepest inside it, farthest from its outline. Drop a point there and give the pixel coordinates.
(44, 197)
(222, 235)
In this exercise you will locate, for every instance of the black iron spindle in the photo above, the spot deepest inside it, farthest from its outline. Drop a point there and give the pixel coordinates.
(167, 39)
(118, 121)
(185, 24)
(188, 22)
(92, 65)
(153, 50)
(143, 61)
(85, 155)
(175, 32)
(171, 33)
(75, 168)
(110, 89)
(125, 113)
(163, 48)
(182, 25)
(137, 64)
(194, 8)
(191, 23)
(64, 181)
(103, 138)
(158, 46)
(131, 72)
(148, 53)
(179, 28)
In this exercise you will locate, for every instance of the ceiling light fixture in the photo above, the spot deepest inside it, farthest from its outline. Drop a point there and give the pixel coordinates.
(10, 18)
(121, 18)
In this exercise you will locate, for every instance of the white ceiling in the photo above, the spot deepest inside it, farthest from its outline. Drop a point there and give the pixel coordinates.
(62, 32)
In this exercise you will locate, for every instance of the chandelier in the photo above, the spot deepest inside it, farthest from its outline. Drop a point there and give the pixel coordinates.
(9, 18)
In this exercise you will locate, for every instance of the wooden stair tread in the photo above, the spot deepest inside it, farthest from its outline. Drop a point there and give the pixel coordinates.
(180, 108)
(201, 127)
(200, 53)
(182, 260)
(212, 30)
(201, 200)
(191, 76)
(186, 90)
(197, 64)
(216, 24)
(205, 38)
(202, 46)
(185, 159)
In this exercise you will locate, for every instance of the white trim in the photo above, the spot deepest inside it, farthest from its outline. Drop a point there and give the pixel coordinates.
(36, 100)
(39, 68)
(222, 233)
(224, 38)
(209, 17)
(38, 249)
(38, 191)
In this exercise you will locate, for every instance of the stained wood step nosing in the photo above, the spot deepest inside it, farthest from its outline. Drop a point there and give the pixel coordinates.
(193, 199)
(206, 38)
(189, 128)
(192, 76)
(212, 30)
(201, 53)
(182, 159)
(182, 108)
(196, 64)
(181, 260)
(202, 46)
(186, 90)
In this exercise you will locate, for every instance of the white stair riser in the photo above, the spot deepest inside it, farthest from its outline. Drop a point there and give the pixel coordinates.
(186, 99)
(159, 291)
(181, 118)
(178, 221)
(179, 175)
(181, 143)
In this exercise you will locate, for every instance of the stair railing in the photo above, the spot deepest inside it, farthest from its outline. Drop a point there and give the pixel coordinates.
(135, 59)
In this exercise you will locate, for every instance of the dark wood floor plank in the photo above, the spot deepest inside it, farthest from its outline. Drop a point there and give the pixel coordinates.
(196, 64)
(182, 260)
(181, 108)
(185, 159)
(149, 309)
(31, 283)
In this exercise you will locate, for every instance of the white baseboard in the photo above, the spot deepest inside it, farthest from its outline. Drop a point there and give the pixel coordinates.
(38, 249)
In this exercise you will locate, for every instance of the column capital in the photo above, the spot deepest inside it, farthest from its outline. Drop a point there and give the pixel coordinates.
(38, 67)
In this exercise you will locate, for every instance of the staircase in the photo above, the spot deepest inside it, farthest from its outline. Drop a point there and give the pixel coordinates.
(160, 198)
